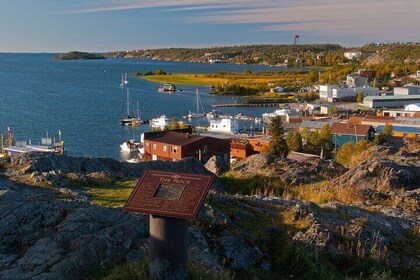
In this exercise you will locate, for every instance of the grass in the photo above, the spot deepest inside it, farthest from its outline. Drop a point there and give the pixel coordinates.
(140, 270)
(109, 193)
(257, 184)
(252, 80)
(184, 79)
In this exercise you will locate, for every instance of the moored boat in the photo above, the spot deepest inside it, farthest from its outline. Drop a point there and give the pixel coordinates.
(130, 146)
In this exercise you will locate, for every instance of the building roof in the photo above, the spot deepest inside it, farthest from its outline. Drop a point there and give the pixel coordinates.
(345, 128)
(315, 124)
(406, 120)
(391, 97)
(175, 138)
(378, 119)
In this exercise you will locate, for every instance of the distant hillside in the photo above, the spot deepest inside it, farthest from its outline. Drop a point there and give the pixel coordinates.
(78, 56)
(395, 54)
(282, 55)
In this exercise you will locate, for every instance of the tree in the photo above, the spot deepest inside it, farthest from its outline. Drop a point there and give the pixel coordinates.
(360, 97)
(387, 130)
(278, 145)
(294, 141)
(345, 152)
(325, 140)
(174, 124)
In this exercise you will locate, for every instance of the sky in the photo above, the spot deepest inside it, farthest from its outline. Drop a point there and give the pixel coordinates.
(107, 25)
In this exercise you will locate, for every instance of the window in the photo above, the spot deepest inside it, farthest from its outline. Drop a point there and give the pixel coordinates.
(147, 144)
(205, 148)
(174, 149)
(154, 146)
(164, 148)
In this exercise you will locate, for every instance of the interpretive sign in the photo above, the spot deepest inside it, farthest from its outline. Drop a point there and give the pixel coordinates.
(168, 194)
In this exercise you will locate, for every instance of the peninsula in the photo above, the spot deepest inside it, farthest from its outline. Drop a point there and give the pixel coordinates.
(75, 55)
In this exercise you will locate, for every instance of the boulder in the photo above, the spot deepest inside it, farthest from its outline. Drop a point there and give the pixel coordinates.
(217, 165)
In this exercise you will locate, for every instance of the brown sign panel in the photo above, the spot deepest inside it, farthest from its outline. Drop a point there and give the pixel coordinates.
(169, 194)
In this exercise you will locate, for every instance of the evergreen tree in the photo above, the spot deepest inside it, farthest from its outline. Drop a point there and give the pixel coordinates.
(278, 145)
(325, 140)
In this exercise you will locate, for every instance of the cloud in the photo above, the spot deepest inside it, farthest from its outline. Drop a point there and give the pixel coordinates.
(341, 17)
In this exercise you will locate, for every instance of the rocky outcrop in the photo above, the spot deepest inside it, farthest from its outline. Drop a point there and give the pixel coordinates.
(217, 165)
(385, 176)
(53, 239)
(289, 171)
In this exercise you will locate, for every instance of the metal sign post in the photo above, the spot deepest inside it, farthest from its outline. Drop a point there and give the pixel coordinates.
(170, 199)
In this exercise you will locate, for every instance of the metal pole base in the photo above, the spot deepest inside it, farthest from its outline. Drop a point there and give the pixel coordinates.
(168, 248)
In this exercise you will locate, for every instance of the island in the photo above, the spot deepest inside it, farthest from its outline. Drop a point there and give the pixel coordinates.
(75, 55)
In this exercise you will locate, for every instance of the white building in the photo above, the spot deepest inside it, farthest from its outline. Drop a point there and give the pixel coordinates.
(351, 55)
(334, 93)
(413, 107)
(390, 101)
(407, 90)
(224, 125)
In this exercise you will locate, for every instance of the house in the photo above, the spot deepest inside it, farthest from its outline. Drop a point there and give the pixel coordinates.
(224, 125)
(355, 80)
(342, 133)
(352, 55)
(315, 125)
(244, 147)
(173, 146)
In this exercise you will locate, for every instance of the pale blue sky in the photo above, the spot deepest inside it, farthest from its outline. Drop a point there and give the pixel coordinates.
(105, 25)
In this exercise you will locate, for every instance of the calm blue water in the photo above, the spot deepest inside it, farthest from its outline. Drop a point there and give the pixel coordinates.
(83, 99)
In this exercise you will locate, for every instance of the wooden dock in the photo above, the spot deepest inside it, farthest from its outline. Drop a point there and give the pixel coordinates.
(247, 105)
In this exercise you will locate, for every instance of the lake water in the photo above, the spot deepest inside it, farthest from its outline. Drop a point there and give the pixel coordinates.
(83, 99)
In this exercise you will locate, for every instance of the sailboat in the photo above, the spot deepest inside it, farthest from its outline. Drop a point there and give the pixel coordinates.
(131, 120)
(196, 114)
(124, 80)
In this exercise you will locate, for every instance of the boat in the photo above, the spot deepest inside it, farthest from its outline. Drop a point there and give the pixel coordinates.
(130, 146)
(133, 121)
(213, 114)
(167, 87)
(196, 114)
(160, 123)
(124, 80)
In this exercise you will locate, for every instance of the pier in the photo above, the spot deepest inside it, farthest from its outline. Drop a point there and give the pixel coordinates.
(246, 105)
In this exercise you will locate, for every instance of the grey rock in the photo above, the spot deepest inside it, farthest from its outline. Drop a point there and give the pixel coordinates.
(217, 165)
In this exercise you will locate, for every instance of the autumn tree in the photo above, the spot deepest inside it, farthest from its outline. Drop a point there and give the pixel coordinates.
(278, 145)
(360, 97)
(174, 124)
(294, 141)
(387, 130)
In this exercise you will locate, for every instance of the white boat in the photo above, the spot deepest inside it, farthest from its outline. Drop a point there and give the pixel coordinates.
(198, 113)
(160, 122)
(130, 146)
(167, 87)
(133, 121)
(124, 80)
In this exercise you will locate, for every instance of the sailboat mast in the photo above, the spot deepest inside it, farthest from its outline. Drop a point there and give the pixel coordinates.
(128, 103)
(138, 112)
(196, 93)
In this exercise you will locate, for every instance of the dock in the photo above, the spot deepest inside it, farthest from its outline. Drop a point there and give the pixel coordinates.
(246, 105)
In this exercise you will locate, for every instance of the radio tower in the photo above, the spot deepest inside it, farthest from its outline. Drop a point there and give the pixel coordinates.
(296, 39)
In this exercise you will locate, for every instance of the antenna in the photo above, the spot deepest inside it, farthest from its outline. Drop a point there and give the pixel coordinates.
(296, 39)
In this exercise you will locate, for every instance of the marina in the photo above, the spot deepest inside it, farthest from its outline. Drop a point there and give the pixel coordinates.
(246, 105)
(85, 101)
